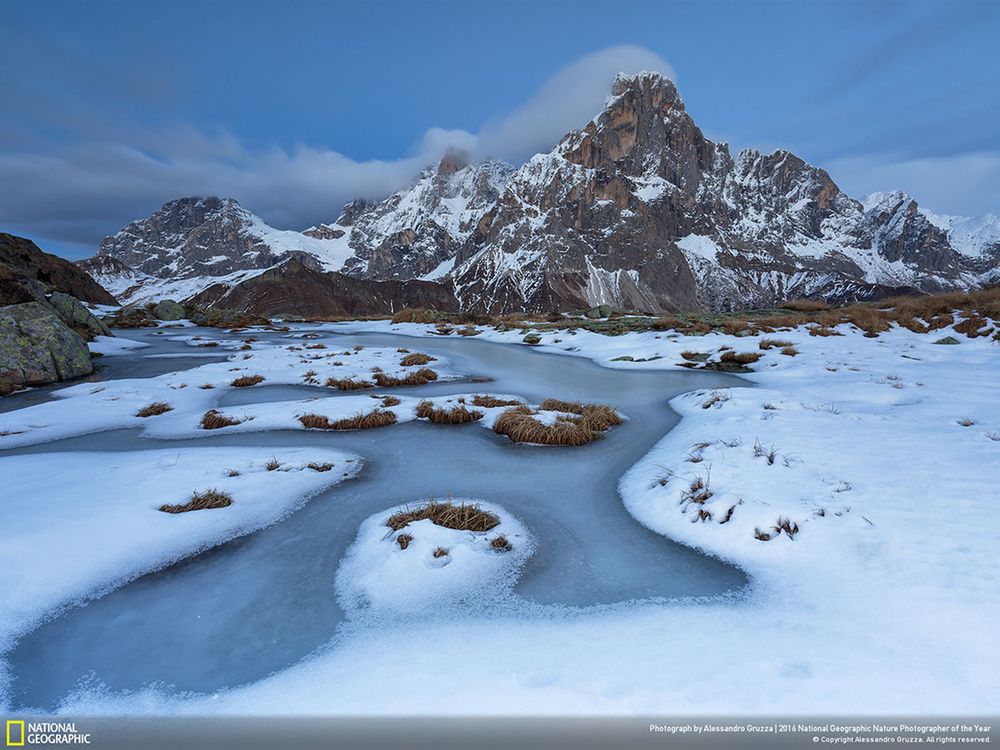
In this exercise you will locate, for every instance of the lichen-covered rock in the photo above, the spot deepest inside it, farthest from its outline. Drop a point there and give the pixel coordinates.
(76, 315)
(130, 317)
(37, 347)
(168, 309)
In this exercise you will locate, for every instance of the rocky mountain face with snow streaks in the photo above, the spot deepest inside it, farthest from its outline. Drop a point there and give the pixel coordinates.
(638, 210)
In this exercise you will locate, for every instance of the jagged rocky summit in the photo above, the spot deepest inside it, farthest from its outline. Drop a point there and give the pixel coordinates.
(637, 210)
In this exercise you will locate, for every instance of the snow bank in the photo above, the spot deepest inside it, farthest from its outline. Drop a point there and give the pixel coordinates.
(378, 576)
(78, 524)
(94, 406)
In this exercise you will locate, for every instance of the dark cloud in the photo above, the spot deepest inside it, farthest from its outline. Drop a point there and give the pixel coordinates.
(114, 169)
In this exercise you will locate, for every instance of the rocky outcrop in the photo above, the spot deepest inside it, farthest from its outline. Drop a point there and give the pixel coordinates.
(37, 347)
(27, 274)
(294, 290)
(168, 309)
(76, 315)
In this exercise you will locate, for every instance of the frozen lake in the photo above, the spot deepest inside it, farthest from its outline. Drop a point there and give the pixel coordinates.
(260, 603)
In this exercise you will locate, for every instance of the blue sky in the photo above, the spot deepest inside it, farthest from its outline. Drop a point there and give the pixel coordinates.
(112, 108)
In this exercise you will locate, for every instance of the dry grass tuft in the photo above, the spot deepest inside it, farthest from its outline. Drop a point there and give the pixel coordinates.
(489, 402)
(966, 422)
(774, 344)
(154, 409)
(499, 543)
(247, 380)
(416, 358)
(442, 415)
(821, 330)
(214, 420)
(319, 467)
(804, 305)
(597, 416)
(388, 400)
(440, 552)
(698, 492)
(201, 501)
(273, 465)
(520, 425)
(359, 421)
(403, 540)
(346, 384)
(414, 315)
(790, 351)
(740, 358)
(461, 517)
(418, 377)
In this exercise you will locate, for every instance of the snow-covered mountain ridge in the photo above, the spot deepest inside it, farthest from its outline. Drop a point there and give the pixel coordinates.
(637, 210)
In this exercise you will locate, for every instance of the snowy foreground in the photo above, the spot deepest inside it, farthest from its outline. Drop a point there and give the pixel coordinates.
(856, 483)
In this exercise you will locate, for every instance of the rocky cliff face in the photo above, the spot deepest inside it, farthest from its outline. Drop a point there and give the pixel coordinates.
(638, 210)
(641, 211)
(419, 231)
(192, 243)
(28, 274)
(294, 289)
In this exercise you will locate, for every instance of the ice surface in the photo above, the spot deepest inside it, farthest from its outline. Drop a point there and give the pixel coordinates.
(893, 573)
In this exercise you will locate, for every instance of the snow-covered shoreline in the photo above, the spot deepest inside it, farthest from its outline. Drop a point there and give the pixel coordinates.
(871, 463)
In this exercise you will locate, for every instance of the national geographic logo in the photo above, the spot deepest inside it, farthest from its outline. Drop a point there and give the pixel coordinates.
(41, 733)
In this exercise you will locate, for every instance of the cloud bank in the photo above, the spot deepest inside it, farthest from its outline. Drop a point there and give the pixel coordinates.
(960, 184)
(113, 172)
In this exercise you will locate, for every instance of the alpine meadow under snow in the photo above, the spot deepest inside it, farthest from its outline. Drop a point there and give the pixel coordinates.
(852, 477)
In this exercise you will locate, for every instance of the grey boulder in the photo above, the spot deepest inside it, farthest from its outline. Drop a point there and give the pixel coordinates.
(37, 347)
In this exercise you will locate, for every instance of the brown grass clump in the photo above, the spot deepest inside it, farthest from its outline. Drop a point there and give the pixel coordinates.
(469, 331)
(488, 402)
(417, 358)
(520, 425)
(319, 467)
(740, 358)
(246, 381)
(790, 351)
(388, 400)
(7, 387)
(804, 305)
(417, 377)
(214, 420)
(442, 415)
(359, 421)
(499, 543)
(201, 501)
(440, 552)
(965, 421)
(820, 330)
(414, 315)
(598, 416)
(154, 409)
(773, 344)
(461, 517)
(347, 384)
(403, 540)
(273, 465)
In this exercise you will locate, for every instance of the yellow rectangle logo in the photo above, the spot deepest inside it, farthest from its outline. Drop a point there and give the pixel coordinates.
(11, 724)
